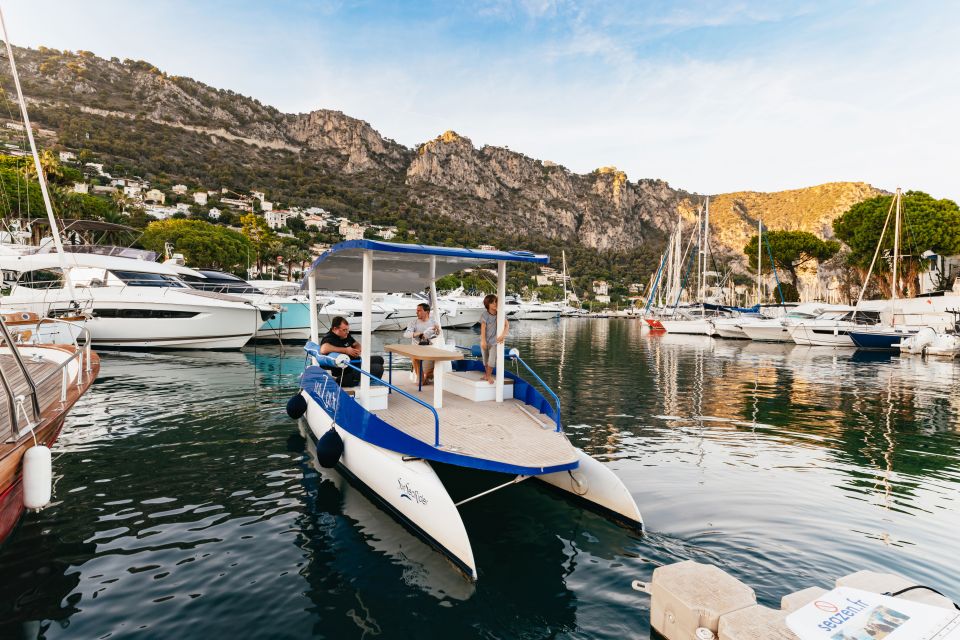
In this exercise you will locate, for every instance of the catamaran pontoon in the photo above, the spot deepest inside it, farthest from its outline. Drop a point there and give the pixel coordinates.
(387, 434)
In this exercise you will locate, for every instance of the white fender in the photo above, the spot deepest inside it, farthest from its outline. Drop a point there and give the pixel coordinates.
(595, 483)
(37, 477)
(409, 488)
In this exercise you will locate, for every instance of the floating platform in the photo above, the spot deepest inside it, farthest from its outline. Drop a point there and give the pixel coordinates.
(689, 600)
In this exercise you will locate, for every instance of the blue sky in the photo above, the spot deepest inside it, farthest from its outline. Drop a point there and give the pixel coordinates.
(710, 96)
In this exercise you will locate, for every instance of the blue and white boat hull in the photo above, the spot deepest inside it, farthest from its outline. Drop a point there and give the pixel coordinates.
(407, 487)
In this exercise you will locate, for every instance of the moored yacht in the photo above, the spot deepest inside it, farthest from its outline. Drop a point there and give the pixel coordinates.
(131, 303)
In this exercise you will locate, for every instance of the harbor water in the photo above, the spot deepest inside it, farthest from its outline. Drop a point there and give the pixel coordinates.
(187, 504)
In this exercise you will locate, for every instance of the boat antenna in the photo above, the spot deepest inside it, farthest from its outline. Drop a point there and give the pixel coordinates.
(54, 228)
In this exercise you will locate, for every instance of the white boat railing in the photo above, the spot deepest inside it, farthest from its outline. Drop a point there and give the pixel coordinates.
(345, 362)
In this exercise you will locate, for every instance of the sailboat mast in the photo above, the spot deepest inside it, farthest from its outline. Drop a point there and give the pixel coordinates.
(703, 252)
(563, 255)
(700, 256)
(41, 177)
(896, 261)
(759, 260)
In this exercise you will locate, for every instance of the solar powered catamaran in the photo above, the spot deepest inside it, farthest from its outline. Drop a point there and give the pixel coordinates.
(387, 434)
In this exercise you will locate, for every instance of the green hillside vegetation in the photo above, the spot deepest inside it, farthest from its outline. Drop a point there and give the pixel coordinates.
(927, 225)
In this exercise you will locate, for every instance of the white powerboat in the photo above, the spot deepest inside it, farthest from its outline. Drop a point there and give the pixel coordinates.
(131, 303)
(389, 442)
(730, 327)
(533, 309)
(780, 329)
(832, 327)
(697, 320)
(350, 307)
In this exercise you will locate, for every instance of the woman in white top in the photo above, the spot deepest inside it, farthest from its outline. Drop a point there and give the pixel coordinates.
(422, 331)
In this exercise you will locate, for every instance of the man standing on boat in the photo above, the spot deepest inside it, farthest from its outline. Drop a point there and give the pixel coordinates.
(422, 331)
(340, 340)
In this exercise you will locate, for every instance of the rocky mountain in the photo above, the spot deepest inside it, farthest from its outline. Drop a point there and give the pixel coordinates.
(181, 130)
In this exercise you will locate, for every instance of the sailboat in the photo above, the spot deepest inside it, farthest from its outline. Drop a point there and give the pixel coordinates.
(694, 319)
(39, 383)
(388, 435)
(887, 337)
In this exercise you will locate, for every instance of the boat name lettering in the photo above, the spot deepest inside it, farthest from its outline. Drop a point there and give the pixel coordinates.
(842, 615)
(410, 494)
(327, 394)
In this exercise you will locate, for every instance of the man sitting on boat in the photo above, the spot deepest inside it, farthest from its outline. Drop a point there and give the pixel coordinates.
(488, 336)
(340, 340)
(422, 331)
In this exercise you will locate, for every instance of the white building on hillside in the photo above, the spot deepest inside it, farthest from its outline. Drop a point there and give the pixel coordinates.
(161, 213)
(214, 213)
(81, 187)
(67, 156)
(155, 196)
(179, 189)
(601, 288)
(352, 231)
(278, 219)
(200, 197)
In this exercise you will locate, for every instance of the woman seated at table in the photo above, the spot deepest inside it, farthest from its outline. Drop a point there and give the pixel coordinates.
(422, 331)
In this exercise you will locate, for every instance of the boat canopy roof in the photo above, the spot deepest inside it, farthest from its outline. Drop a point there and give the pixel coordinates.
(400, 267)
(35, 261)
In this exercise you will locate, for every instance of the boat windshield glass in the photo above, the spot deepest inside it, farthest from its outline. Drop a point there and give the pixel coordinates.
(145, 279)
(41, 279)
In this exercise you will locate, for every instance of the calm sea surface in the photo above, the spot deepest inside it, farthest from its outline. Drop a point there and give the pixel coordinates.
(187, 505)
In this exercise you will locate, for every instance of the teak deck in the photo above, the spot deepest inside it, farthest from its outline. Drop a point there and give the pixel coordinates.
(47, 392)
(510, 432)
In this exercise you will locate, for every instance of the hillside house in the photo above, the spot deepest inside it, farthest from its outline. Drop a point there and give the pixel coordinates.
(161, 213)
(81, 187)
(155, 196)
(214, 213)
(200, 197)
(179, 189)
(278, 219)
(68, 156)
(601, 288)
(238, 203)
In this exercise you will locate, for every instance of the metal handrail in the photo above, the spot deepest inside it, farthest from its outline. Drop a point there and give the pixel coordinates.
(543, 384)
(80, 352)
(23, 370)
(436, 416)
(323, 360)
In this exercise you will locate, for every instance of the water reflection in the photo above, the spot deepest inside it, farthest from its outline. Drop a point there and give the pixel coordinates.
(184, 505)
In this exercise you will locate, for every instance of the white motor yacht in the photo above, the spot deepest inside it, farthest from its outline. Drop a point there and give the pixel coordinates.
(779, 329)
(832, 327)
(131, 303)
(351, 308)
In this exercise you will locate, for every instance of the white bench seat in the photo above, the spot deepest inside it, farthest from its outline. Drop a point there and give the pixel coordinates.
(472, 386)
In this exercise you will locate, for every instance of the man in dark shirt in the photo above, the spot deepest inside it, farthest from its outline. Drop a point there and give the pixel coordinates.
(340, 340)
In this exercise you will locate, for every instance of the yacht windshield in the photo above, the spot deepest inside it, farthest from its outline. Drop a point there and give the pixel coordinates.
(144, 279)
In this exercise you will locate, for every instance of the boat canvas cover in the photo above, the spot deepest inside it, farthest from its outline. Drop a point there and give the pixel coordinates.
(400, 267)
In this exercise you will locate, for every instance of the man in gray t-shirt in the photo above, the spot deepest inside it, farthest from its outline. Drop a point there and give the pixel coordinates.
(488, 336)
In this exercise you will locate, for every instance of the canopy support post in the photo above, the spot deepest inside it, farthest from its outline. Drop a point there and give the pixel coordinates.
(314, 320)
(366, 324)
(501, 320)
(434, 311)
